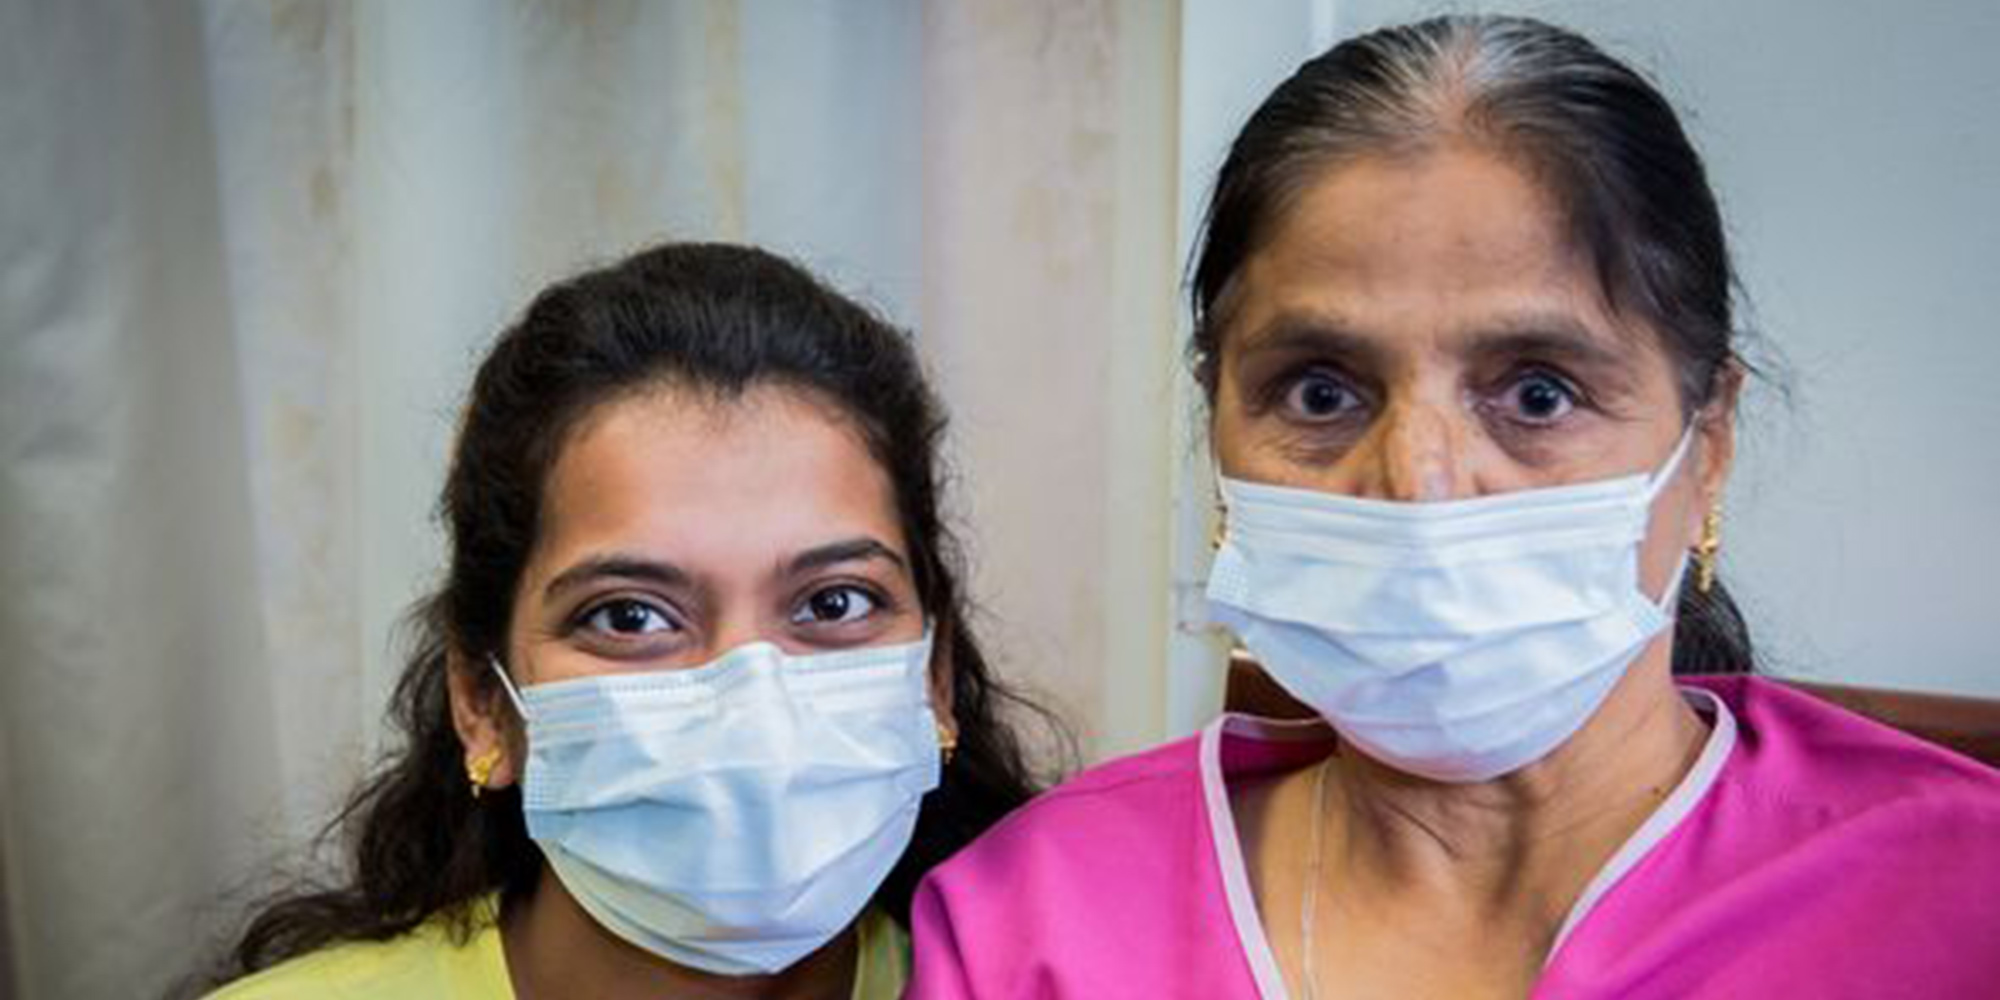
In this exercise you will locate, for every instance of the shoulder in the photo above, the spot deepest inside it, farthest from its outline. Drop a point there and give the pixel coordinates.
(1123, 824)
(1117, 808)
(430, 961)
(1860, 859)
(1084, 888)
(883, 967)
(1813, 754)
(340, 971)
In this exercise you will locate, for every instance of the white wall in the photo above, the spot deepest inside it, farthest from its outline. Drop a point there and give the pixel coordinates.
(1856, 151)
(1232, 52)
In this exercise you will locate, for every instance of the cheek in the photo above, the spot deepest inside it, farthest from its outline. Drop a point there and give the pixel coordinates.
(1668, 537)
(1267, 451)
(1225, 440)
(538, 649)
(1244, 448)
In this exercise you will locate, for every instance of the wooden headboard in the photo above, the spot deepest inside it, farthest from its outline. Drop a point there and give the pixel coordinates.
(1970, 726)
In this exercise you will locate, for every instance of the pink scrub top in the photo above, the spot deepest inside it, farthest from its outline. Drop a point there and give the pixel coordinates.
(1808, 853)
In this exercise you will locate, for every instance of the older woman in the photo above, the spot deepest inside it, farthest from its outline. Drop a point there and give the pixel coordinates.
(698, 701)
(1463, 315)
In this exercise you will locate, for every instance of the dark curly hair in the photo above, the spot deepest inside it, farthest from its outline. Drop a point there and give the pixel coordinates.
(715, 318)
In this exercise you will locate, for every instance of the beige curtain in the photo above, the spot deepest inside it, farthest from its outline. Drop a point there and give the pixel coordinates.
(249, 253)
(1049, 188)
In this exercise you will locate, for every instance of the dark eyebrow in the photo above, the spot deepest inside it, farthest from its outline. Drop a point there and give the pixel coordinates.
(1547, 335)
(848, 550)
(1553, 335)
(1301, 332)
(624, 567)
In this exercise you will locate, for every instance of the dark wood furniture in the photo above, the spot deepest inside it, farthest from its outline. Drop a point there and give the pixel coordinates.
(1970, 726)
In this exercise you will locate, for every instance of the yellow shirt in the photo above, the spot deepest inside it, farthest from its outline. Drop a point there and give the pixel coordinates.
(425, 965)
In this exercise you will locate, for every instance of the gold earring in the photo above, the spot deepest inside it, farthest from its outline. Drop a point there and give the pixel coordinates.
(1706, 550)
(947, 742)
(480, 770)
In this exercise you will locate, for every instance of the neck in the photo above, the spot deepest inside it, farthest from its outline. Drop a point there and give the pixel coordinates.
(555, 948)
(1515, 852)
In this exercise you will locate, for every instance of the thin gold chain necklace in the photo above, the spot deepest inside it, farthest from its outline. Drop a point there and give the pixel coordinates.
(1310, 906)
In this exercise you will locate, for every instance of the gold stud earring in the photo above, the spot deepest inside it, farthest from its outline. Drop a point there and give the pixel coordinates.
(1706, 550)
(480, 770)
(947, 742)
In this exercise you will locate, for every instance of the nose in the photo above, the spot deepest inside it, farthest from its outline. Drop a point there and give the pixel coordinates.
(1414, 454)
(735, 624)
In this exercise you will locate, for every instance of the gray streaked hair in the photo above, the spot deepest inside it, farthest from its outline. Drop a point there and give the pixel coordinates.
(1600, 140)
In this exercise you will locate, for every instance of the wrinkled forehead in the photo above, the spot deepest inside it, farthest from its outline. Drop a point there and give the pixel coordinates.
(1457, 246)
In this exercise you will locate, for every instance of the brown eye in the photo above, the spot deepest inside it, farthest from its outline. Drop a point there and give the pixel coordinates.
(1540, 398)
(627, 617)
(1318, 396)
(835, 605)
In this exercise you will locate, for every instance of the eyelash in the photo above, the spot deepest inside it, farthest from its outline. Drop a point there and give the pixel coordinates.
(1576, 396)
(583, 618)
(1278, 394)
(878, 600)
(879, 603)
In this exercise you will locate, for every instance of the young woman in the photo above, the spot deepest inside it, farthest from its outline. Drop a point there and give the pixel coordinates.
(698, 701)
(1463, 316)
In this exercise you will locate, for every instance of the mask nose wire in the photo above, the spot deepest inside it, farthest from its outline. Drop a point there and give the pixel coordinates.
(513, 693)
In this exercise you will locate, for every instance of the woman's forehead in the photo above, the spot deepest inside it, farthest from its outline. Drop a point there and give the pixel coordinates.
(1455, 246)
(1453, 218)
(769, 469)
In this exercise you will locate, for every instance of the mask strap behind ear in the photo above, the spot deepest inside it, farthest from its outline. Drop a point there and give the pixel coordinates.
(513, 693)
(1670, 599)
(1666, 472)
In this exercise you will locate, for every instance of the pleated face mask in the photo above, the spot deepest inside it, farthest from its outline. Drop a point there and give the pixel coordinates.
(1458, 641)
(733, 817)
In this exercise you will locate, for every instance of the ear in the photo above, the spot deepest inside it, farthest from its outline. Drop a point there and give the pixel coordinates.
(478, 708)
(942, 669)
(1715, 426)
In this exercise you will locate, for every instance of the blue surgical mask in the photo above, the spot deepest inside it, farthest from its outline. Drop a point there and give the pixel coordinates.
(1458, 641)
(733, 817)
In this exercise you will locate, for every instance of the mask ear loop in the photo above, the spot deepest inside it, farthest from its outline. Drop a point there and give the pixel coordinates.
(1666, 473)
(1220, 533)
(513, 693)
(1670, 598)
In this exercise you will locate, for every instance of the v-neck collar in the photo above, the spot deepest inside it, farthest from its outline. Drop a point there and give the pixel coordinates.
(1242, 902)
